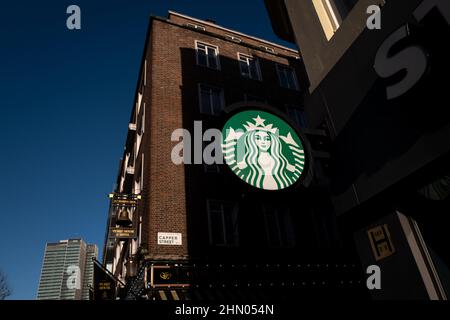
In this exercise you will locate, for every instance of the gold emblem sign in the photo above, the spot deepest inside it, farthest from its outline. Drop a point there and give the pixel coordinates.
(165, 275)
(381, 242)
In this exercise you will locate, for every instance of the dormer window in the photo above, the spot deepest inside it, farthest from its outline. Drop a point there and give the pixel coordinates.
(195, 26)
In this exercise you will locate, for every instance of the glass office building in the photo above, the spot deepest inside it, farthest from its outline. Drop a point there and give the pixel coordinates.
(67, 270)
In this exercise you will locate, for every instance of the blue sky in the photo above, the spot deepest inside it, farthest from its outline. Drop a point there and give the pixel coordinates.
(65, 100)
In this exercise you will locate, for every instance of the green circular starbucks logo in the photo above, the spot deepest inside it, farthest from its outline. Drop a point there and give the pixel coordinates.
(263, 150)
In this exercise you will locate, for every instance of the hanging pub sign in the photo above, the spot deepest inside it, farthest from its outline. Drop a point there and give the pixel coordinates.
(104, 284)
(123, 206)
(123, 233)
(263, 150)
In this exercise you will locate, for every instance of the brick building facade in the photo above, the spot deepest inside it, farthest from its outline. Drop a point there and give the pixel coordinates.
(192, 70)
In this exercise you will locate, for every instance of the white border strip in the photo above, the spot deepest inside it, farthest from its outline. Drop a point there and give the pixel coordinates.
(419, 258)
(235, 32)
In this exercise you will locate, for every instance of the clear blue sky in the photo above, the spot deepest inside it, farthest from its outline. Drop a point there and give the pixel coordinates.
(65, 100)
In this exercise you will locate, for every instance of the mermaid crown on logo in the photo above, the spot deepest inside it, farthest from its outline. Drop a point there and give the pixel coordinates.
(259, 125)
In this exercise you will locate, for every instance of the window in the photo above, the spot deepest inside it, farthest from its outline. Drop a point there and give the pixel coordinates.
(287, 78)
(331, 13)
(139, 128)
(139, 102)
(211, 99)
(195, 26)
(139, 178)
(137, 143)
(140, 122)
(297, 115)
(233, 38)
(145, 73)
(268, 49)
(249, 67)
(130, 163)
(207, 55)
(252, 98)
(278, 226)
(143, 119)
(223, 223)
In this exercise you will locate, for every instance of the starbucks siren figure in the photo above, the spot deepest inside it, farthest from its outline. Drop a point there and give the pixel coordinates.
(260, 159)
(264, 156)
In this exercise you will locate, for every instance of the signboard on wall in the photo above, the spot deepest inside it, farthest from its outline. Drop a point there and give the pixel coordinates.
(170, 276)
(169, 239)
(124, 215)
(123, 232)
(381, 242)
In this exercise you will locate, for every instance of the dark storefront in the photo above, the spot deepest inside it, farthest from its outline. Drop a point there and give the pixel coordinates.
(383, 97)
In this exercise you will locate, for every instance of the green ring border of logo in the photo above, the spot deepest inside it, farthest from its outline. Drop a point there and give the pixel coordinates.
(306, 176)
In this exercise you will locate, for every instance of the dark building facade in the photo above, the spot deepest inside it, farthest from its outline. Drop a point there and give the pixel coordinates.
(199, 232)
(381, 94)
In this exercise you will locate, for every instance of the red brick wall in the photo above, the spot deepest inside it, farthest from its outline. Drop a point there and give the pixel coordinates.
(165, 186)
(164, 201)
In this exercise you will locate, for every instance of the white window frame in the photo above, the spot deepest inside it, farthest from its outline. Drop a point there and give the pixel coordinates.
(143, 119)
(131, 161)
(140, 127)
(247, 59)
(233, 38)
(136, 187)
(236, 232)
(222, 98)
(329, 16)
(268, 49)
(207, 45)
(139, 102)
(137, 145)
(195, 26)
(145, 72)
(285, 67)
(139, 179)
